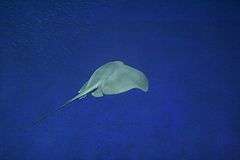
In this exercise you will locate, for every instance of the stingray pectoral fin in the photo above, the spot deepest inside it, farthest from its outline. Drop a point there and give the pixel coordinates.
(97, 93)
(123, 79)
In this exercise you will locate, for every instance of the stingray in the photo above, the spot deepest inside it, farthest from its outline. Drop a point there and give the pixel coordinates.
(111, 78)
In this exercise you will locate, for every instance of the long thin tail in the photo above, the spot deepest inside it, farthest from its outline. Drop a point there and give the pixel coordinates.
(43, 117)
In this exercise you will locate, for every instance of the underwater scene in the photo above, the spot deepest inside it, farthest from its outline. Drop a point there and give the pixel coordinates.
(119, 80)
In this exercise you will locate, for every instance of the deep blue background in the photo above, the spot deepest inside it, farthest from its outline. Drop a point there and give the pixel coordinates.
(188, 50)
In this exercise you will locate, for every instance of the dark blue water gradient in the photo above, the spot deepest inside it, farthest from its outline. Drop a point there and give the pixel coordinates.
(189, 50)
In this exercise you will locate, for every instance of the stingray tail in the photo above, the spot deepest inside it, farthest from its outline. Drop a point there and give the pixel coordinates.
(43, 117)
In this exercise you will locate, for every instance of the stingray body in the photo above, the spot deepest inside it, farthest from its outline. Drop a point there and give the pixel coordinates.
(112, 78)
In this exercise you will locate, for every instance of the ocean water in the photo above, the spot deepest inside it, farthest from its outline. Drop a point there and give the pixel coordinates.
(189, 51)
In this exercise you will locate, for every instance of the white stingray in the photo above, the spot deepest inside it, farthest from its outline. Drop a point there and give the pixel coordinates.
(111, 78)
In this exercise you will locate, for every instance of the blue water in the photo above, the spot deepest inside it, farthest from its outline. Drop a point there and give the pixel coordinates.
(188, 50)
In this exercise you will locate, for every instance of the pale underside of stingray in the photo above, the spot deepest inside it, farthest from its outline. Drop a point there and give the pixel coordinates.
(112, 78)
